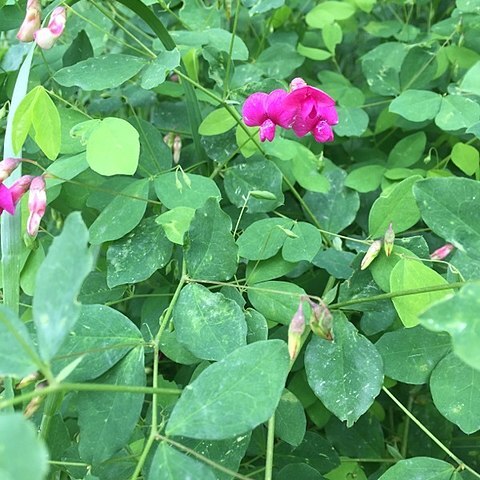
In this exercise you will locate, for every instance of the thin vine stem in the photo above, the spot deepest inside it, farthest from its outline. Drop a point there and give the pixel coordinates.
(270, 448)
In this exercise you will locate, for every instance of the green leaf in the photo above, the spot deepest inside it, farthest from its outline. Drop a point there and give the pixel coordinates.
(261, 6)
(257, 327)
(457, 113)
(107, 419)
(348, 469)
(337, 208)
(176, 189)
(449, 206)
(290, 420)
(466, 158)
(332, 35)
(217, 122)
(335, 262)
(455, 391)
(381, 67)
(138, 255)
(170, 464)
(176, 223)
(38, 111)
(313, 53)
(333, 372)
(208, 324)
(277, 301)
(255, 175)
(18, 356)
(327, 12)
(122, 214)
(157, 69)
(305, 167)
(210, 250)
(300, 471)
(365, 179)
(102, 336)
(100, 73)
(55, 309)
(420, 468)
(233, 396)
(305, 246)
(113, 147)
(352, 122)
(416, 105)
(469, 83)
(279, 60)
(411, 274)
(410, 354)
(264, 270)
(396, 205)
(264, 238)
(80, 49)
(408, 151)
(458, 316)
(24, 456)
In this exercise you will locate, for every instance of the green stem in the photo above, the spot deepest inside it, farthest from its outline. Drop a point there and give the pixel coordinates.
(163, 325)
(52, 404)
(270, 448)
(429, 434)
(230, 51)
(401, 293)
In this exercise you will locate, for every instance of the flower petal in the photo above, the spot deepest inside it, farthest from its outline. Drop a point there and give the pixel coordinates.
(254, 111)
(323, 132)
(267, 130)
(277, 111)
(6, 200)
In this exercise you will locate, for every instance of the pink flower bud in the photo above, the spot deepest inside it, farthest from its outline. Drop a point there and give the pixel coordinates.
(297, 83)
(321, 321)
(20, 187)
(7, 166)
(388, 240)
(46, 37)
(177, 148)
(31, 22)
(37, 203)
(442, 252)
(295, 332)
(372, 254)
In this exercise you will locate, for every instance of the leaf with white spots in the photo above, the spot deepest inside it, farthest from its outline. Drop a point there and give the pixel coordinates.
(346, 374)
(210, 250)
(233, 396)
(455, 391)
(449, 206)
(208, 324)
(59, 279)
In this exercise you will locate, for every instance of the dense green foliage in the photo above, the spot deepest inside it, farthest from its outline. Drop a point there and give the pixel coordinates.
(156, 300)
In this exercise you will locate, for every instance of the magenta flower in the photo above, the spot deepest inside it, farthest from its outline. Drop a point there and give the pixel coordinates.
(31, 22)
(37, 203)
(265, 110)
(312, 110)
(9, 197)
(305, 109)
(46, 37)
(442, 252)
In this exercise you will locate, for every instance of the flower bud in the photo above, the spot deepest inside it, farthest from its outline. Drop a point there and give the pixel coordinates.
(7, 166)
(46, 37)
(28, 380)
(388, 240)
(372, 254)
(321, 321)
(31, 22)
(37, 203)
(295, 332)
(177, 147)
(442, 252)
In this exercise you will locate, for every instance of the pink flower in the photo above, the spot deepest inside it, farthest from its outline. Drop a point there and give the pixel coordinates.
(265, 110)
(9, 197)
(7, 166)
(37, 203)
(442, 252)
(312, 110)
(31, 23)
(46, 37)
(295, 332)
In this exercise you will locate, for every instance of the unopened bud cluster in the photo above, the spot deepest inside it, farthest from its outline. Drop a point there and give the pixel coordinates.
(44, 37)
(10, 196)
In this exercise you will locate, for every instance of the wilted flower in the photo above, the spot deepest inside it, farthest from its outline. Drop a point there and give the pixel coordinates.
(37, 203)
(7, 166)
(295, 332)
(31, 22)
(388, 240)
(177, 148)
(266, 110)
(371, 254)
(46, 37)
(442, 252)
